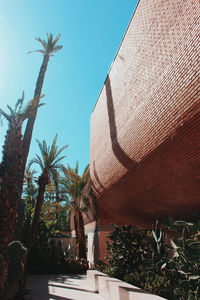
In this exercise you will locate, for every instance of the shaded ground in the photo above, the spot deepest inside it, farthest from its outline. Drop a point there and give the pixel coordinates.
(60, 287)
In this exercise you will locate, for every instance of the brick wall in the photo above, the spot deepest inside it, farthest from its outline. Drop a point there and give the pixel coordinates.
(145, 127)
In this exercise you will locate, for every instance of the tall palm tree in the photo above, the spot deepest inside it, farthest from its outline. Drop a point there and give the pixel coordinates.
(49, 163)
(10, 168)
(73, 185)
(49, 48)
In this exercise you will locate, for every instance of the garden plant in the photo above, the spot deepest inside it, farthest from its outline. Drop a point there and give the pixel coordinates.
(142, 258)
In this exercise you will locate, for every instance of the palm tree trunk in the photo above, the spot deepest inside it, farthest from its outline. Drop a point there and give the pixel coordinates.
(81, 236)
(42, 181)
(30, 124)
(76, 233)
(9, 194)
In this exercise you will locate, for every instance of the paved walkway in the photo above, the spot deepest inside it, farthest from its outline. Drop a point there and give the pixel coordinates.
(60, 287)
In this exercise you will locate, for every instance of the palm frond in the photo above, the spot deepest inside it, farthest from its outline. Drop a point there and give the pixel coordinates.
(40, 162)
(49, 45)
(5, 115)
(86, 173)
(56, 49)
(43, 42)
(74, 186)
(55, 163)
(18, 114)
(12, 112)
(48, 161)
(53, 148)
(86, 169)
(60, 150)
(56, 40)
(33, 161)
(30, 172)
(40, 145)
(76, 168)
(40, 51)
(29, 166)
(30, 110)
(19, 103)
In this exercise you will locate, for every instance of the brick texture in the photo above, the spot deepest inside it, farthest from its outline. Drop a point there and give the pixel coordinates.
(145, 127)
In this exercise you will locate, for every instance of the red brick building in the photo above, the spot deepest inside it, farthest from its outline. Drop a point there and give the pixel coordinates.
(145, 127)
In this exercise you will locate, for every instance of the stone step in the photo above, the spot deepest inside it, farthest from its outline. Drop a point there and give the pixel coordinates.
(115, 289)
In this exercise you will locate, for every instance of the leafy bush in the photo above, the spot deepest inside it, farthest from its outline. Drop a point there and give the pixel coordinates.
(139, 257)
(128, 250)
(185, 266)
(153, 283)
(100, 265)
(49, 258)
(76, 266)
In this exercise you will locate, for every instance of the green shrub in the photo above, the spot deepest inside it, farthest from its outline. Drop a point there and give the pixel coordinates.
(139, 257)
(76, 266)
(153, 283)
(128, 250)
(51, 260)
(100, 265)
(186, 264)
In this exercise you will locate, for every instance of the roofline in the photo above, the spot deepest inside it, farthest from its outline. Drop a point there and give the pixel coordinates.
(116, 54)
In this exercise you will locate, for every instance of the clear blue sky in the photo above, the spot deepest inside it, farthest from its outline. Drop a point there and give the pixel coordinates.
(91, 32)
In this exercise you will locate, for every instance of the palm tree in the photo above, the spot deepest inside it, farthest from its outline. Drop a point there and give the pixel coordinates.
(25, 205)
(30, 193)
(10, 168)
(29, 177)
(73, 185)
(49, 48)
(55, 207)
(49, 163)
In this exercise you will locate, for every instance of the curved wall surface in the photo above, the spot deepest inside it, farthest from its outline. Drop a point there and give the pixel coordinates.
(145, 127)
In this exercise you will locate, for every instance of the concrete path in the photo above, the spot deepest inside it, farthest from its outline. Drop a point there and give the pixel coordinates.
(60, 287)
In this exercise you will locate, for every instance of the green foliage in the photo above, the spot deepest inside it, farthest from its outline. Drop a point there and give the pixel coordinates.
(50, 164)
(49, 157)
(74, 186)
(76, 266)
(55, 215)
(49, 45)
(52, 259)
(186, 264)
(40, 252)
(100, 265)
(158, 236)
(139, 257)
(19, 114)
(128, 250)
(49, 257)
(153, 283)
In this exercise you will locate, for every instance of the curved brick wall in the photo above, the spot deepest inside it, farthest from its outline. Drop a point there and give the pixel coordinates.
(145, 127)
